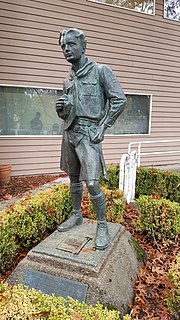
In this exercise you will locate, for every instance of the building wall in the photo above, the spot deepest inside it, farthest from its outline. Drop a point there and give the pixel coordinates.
(143, 51)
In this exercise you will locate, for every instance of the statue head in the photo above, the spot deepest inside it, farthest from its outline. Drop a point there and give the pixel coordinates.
(73, 44)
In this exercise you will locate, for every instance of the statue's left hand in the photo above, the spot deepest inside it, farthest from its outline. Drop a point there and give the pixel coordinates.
(99, 134)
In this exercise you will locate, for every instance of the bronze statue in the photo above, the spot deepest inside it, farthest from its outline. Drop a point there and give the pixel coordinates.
(83, 107)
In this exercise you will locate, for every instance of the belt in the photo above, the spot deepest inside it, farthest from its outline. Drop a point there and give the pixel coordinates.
(85, 122)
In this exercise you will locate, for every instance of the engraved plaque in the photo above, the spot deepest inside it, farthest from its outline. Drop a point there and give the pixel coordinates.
(73, 245)
(49, 284)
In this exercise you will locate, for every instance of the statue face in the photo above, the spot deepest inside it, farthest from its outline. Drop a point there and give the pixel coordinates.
(72, 48)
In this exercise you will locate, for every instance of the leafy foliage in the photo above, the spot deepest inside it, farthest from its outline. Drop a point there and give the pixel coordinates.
(159, 218)
(149, 181)
(17, 303)
(115, 205)
(113, 175)
(25, 223)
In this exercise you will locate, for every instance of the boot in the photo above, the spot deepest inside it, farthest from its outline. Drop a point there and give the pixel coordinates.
(102, 235)
(76, 218)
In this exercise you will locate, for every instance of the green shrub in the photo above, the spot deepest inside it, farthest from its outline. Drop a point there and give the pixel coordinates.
(113, 175)
(173, 301)
(173, 186)
(17, 303)
(8, 248)
(148, 181)
(159, 218)
(155, 181)
(25, 223)
(115, 205)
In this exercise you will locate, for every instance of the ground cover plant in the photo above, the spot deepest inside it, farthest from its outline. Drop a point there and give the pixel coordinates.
(17, 303)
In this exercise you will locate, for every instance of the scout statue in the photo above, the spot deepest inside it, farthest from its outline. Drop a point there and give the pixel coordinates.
(86, 114)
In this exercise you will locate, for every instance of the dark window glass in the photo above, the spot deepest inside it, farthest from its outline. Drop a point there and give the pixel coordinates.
(135, 117)
(29, 111)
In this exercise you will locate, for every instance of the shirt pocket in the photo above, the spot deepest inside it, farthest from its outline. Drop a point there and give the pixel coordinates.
(89, 88)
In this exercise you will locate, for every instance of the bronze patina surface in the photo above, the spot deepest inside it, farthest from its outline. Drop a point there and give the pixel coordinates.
(92, 100)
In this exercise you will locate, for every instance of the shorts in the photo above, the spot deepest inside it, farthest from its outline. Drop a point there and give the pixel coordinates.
(79, 156)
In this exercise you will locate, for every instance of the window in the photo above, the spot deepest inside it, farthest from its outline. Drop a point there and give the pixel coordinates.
(145, 6)
(29, 111)
(135, 118)
(172, 9)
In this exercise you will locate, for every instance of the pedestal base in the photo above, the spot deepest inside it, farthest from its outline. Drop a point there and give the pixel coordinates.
(66, 263)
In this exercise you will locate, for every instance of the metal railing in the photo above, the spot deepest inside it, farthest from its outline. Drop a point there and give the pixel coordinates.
(129, 163)
(139, 144)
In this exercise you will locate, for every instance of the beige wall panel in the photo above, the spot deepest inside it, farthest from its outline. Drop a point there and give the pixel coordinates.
(145, 77)
(30, 141)
(47, 161)
(53, 39)
(29, 155)
(143, 50)
(27, 148)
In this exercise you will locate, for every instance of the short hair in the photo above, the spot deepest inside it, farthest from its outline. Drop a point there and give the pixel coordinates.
(77, 33)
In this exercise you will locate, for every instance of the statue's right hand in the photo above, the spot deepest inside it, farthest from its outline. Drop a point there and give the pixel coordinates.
(62, 102)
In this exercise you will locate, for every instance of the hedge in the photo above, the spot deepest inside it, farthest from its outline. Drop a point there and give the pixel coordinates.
(148, 181)
(25, 223)
(155, 181)
(113, 177)
(158, 218)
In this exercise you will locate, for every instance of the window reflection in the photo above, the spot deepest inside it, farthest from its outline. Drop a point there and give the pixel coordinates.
(172, 9)
(28, 111)
(135, 117)
(31, 111)
(146, 6)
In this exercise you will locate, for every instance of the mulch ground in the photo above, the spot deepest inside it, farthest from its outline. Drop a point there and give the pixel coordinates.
(153, 283)
(17, 186)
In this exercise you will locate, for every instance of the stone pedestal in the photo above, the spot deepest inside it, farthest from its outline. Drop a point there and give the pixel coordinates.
(66, 263)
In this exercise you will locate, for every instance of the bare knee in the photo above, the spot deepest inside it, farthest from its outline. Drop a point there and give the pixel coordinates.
(93, 187)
